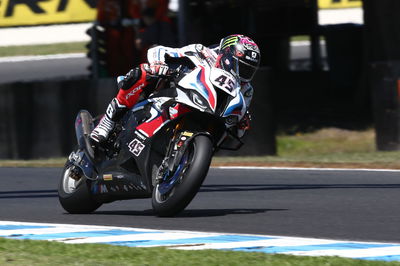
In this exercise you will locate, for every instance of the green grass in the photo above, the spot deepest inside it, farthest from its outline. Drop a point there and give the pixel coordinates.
(325, 148)
(45, 49)
(26, 252)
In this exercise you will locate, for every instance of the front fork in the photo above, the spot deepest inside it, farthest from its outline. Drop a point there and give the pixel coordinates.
(175, 152)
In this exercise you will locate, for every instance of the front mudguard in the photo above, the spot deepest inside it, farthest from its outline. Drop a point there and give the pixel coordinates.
(180, 145)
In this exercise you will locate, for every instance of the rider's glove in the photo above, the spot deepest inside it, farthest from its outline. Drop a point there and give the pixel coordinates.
(158, 68)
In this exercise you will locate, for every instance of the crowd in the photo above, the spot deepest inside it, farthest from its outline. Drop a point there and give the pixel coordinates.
(131, 27)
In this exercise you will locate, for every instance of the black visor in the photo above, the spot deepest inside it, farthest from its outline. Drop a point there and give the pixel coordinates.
(246, 71)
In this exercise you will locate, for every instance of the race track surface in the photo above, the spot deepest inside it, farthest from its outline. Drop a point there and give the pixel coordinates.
(346, 205)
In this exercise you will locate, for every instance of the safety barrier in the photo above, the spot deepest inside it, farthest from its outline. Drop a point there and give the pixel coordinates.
(37, 118)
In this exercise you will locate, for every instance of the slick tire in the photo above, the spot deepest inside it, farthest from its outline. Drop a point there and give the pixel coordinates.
(75, 199)
(201, 151)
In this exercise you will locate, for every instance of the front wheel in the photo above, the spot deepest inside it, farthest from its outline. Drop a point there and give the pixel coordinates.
(187, 178)
(73, 192)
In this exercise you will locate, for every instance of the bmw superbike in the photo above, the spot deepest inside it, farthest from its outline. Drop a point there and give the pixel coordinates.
(161, 149)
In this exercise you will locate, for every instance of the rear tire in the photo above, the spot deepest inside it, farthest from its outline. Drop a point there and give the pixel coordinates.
(200, 152)
(74, 196)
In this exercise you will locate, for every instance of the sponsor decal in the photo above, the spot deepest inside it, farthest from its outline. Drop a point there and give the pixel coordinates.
(136, 147)
(187, 134)
(108, 177)
(36, 12)
(230, 41)
(134, 91)
(103, 189)
(339, 3)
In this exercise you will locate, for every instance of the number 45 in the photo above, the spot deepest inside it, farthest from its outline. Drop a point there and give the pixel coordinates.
(225, 82)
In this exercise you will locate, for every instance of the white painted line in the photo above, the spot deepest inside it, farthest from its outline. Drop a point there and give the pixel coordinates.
(305, 169)
(41, 231)
(13, 59)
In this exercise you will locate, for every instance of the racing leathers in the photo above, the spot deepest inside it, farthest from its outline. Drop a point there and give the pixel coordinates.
(144, 79)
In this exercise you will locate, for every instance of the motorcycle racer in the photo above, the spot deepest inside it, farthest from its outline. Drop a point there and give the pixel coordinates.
(236, 54)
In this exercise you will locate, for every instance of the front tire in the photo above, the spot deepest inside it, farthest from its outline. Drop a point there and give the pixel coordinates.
(74, 195)
(198, 160)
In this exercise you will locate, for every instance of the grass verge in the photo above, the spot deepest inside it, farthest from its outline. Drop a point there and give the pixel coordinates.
(27, 252)
(45, 49)
(330, 147)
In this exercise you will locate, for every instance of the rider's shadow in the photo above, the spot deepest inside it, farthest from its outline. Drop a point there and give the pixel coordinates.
(192, 213)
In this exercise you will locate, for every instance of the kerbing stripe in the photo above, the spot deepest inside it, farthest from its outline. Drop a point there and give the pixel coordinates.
(189, 240)
(292, 249)
(274, 242)
(350, 253)
(135, 238)
(384, 258)
(196, 241)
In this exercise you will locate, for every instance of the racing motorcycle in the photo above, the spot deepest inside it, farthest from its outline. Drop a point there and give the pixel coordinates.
(161, 149)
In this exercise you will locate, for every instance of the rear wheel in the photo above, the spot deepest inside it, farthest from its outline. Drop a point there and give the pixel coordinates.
(173, 194)
(73, 192)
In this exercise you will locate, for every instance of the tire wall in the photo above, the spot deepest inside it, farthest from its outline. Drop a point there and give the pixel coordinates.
(37, 118)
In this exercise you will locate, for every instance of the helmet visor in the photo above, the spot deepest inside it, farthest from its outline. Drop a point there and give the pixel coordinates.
(246, 70)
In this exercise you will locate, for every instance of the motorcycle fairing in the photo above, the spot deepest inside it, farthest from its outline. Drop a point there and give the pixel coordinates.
(124, 176)
(198, 80)
(224, 81)
(236, 107)
(154, 123)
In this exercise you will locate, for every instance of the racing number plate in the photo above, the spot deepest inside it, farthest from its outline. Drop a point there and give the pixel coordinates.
(136, 147)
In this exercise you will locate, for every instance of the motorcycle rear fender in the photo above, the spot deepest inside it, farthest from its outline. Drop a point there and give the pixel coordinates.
(83, 126)
(83, 157)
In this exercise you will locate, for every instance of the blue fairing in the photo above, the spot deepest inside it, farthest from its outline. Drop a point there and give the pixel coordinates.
(235, 108)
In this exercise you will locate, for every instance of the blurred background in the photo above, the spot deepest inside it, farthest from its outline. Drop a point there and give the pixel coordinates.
(325, 63)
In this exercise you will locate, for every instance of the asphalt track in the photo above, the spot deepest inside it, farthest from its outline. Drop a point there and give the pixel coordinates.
(344, 205)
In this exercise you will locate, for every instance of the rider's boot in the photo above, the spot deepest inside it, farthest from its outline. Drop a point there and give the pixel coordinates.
(114, 113)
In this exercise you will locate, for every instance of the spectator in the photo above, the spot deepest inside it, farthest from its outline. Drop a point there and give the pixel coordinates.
(156, 31)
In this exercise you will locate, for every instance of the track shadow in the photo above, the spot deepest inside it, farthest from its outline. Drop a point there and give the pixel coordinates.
(20, 194)
(223, 212)
(192, 213)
